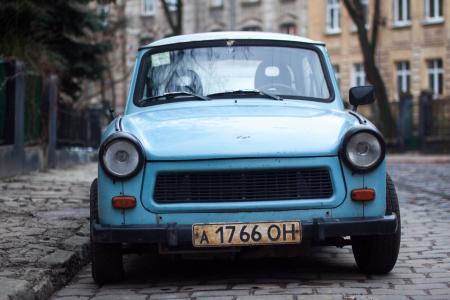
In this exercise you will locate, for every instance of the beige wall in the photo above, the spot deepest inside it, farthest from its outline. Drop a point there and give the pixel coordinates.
(415, 43)
(268, 15)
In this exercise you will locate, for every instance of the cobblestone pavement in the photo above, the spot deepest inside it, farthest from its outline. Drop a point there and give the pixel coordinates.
(422, 271)
(44, 230)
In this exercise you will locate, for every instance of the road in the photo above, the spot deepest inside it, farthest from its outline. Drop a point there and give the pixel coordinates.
(422, 271)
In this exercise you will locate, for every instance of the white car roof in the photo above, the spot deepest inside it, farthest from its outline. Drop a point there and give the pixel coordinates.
(231, 35)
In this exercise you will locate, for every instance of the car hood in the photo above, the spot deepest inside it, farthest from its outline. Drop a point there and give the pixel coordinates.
(234, 131)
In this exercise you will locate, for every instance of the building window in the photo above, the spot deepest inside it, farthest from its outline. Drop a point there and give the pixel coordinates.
(251, 28)
(337, 74)
(172, 4)
(402, 13)
(333, 16)
(148, 7)
(435, 76)
(289, 28)
(365, 6)
(358, 75)
(403, 78)
(216, 3)
(434, 11)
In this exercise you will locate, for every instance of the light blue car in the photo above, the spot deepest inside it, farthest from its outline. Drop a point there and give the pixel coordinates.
(235, 142)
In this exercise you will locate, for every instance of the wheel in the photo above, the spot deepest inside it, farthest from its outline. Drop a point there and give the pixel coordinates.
(378, 254)
(107, 266)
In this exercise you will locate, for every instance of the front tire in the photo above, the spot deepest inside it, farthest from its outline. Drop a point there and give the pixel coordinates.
(107, 265)
(378, 254)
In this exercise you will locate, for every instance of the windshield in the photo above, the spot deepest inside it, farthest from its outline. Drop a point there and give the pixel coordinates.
(284, 71)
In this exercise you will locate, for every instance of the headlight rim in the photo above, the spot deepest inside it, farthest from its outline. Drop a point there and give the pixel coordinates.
(129, 138)
(343, 151)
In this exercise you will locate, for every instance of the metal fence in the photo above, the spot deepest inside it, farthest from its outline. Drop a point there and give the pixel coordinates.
(79, 128)
(33, 91)
(423, 124)
(440, 116)
(34, 108)
(6, 103)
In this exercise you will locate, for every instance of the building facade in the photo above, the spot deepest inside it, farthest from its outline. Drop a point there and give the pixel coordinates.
(287, 16)
(413, 51)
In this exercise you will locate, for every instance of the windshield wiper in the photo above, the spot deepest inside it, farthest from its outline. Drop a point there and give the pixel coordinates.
(247, 92)
(173, 95)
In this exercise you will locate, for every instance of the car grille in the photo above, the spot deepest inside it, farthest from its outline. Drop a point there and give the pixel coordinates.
(242, 185)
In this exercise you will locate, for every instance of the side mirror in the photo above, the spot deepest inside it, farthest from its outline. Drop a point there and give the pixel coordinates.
(361, 95)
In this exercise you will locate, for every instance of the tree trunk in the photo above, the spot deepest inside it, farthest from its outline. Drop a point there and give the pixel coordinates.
(385, 119)
(177, 28)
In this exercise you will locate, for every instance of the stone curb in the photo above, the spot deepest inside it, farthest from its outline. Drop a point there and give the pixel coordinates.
(417, 159)
(44, 237)
(56, 270)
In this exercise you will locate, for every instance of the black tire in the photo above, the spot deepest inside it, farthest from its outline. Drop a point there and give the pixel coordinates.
(107, 265)
(378, 254)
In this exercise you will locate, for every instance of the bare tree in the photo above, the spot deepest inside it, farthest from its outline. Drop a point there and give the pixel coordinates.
(368, 43)
(175, 25)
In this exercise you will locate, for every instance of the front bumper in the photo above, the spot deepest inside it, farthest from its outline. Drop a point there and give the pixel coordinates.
(174, 234)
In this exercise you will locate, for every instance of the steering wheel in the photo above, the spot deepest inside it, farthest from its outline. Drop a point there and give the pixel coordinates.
(279, 88)
(174, 84)
(183, 88)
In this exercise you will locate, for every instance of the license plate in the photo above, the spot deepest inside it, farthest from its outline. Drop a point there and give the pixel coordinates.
(246, 234)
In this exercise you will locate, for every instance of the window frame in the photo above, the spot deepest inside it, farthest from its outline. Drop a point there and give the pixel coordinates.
(223, 43)
(144, 11)
(216, 3)
(333, 9)
(250, 28)
(438, 13)
(358, 74)
(365, 3)
(172, 5)
(405, 11)
(403, 75)
(289, 26)
(435, 75)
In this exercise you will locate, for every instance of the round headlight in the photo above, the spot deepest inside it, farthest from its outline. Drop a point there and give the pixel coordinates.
(121, 157)
(363, 150)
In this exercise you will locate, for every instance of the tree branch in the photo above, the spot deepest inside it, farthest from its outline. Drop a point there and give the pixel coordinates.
(375, 26)
(168, 15)
(349, 5)
(179, 17)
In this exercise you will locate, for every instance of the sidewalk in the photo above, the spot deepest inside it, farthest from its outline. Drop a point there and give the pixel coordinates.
(417, 158)
(44, 237)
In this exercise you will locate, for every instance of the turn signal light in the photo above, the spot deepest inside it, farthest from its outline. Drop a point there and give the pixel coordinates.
(363, 195)
(123, 202)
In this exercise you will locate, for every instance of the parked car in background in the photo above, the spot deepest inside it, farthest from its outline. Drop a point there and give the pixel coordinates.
(237, 141)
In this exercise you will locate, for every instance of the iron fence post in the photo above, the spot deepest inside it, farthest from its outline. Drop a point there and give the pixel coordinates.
(19, 114)
(52, 95)
(405, 119)
(425, 116)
